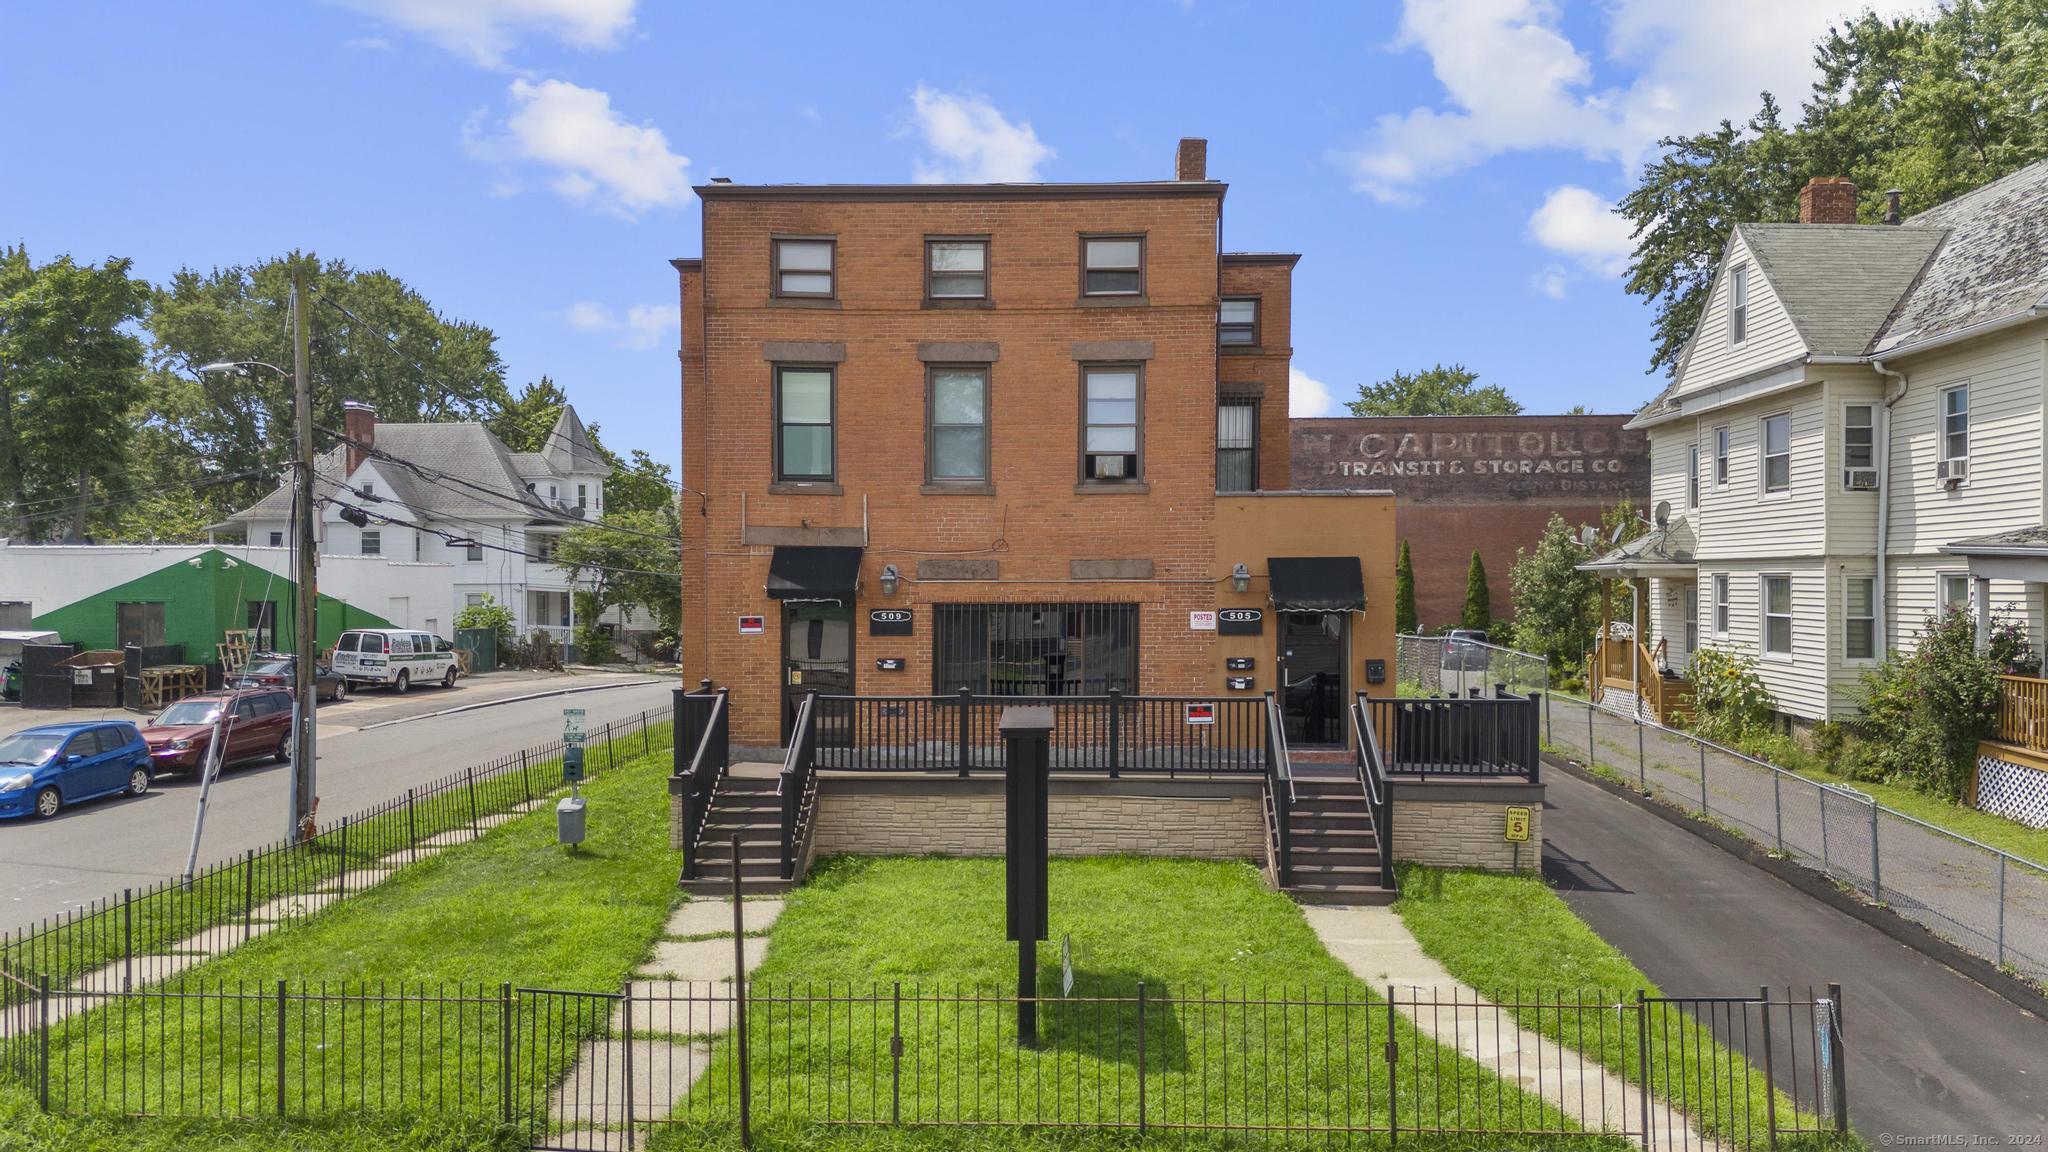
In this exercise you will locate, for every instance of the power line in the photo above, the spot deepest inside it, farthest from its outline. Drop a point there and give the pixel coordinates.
(128, 498)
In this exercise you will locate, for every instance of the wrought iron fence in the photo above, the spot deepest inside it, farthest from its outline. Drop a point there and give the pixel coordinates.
(1452, 666)
(584, 1070)
(148, 934)
(1984, 900)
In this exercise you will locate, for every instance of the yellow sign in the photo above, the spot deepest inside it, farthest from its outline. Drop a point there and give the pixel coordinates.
(1518, 825)
(796, 675)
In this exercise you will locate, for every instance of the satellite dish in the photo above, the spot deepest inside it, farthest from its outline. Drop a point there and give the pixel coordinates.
(1663, 513)
(1588, 535)
(1614, 537)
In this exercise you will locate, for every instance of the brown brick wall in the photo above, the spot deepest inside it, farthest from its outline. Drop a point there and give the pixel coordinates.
(1088, 818)
(1264, 368)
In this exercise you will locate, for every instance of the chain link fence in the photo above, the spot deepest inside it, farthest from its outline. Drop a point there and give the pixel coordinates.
(1977, 897)
(1454, 666)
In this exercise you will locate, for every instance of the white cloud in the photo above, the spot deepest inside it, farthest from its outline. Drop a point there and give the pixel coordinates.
(1308, 396)
(1574, 222)
(599, 159)
(1514, 81)
(1553, 281)
(485, 30)
(642, 326)
(971, 142)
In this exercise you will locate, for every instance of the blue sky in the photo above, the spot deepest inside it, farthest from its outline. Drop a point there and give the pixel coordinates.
(1443, 165)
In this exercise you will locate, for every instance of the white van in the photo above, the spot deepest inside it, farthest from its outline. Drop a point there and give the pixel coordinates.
(399, 657)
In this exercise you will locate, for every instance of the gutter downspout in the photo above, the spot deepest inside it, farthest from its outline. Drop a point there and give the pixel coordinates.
(1882, 608)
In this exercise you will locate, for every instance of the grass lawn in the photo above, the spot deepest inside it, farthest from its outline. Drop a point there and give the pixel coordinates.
(24, 1129)
(1216, 953)
(513, 907)
(1459, 917)
(1997, 831)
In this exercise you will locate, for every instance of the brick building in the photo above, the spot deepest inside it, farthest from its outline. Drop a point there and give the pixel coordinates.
(1484, 483)
(1023, 439)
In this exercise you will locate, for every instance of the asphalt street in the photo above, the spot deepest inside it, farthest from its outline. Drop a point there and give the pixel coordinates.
(1930, 1053)
(97, 849)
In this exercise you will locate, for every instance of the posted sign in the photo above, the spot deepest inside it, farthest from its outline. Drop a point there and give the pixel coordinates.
(572, 726)
(1518, 825)
(1201, 713)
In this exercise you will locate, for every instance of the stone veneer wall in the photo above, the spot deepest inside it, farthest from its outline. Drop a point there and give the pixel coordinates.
(1462, 823)
(947, 816)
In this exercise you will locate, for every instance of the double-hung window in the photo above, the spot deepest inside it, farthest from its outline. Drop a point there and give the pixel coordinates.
(956, 269)
(1859, 446)
(1955, 424)
(1721, 605)
(958, 447)
(1738, 305)
(1237, 322)
(1692, 476)
(1721, 456)
(372, 542)
(1955, 592)
(806, 267)
(1859, 618)
(1777, 452)
(1777, 615)
(804, 441)
(1237, 446)
(1112, 429)
(1112, 266)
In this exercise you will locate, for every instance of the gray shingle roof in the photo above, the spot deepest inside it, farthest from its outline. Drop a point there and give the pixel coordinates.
(568, 446)
(2030, 539)
(1672, 544)
(1994, 264)
(1840, 282)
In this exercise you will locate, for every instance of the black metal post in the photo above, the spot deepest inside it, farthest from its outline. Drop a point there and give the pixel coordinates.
(1141, 1059)
(1643, 1060)
(1837, 1050)
(1535, 738)
(248, 894)
(1393, 1054)
(469, 778)
(127, 941)
(525, 777)
(412, 827)
(1771, 1093)
(896, 1055)
(43, 1043)
(1027, 778)
(966, 726)
(739, 999)
(341, 877)
(1027, 993)
(505, 1051)
(281, 1016)
(1116, 709)
(626, 1049)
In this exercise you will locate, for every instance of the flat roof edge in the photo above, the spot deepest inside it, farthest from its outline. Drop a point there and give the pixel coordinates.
(961, 191)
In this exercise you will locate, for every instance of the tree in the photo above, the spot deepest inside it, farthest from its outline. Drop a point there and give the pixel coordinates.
(635, 558)
(523, 421)
(637, 484)
(1405, 621)
(1438, 391)
(70, 373)
(1478, 614)
(1554, 601)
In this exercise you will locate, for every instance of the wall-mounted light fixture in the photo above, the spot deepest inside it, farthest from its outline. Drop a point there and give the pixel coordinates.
(890, 579)
(1240, 579)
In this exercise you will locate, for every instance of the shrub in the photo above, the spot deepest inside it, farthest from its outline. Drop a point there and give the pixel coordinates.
(1554, 601)
(1405, 621)
(1924, 713)
(1729, 700)
(1478, 614)
(488, 613)
(594, 645)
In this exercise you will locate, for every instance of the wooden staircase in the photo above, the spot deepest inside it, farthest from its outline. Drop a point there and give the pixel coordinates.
(1334, 849)
(744, 802)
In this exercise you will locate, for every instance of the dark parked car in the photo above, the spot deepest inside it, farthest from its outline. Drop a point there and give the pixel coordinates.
(44, 768)
(259, 724)
(1466, 650)
(274, 670)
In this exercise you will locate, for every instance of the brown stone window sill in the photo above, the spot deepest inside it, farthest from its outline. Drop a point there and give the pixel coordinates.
(1242, 349)
(805, 488)
(827, 302)
(963, 303)
(1120, 488)
(941, 488)
(1113, 302)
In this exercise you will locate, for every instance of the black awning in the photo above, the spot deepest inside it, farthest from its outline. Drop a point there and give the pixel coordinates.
(813, 573)
(1316, 583)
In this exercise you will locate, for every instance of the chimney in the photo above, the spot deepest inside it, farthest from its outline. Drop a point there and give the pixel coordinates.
(359, 424)
(1191, 159)
(1891, 204)
(1828, 200)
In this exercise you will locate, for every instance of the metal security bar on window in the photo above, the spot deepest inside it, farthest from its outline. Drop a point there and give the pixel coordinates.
(1236, 446)
(1035, 649)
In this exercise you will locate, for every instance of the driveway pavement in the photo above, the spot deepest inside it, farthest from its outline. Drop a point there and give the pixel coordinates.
(1930, 1053)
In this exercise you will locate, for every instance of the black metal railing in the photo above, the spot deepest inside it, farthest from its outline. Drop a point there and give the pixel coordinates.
(1279, 794)
(798, 783)
(703, 751)
(1372, 776)
(1452, 736)
(1112, 733)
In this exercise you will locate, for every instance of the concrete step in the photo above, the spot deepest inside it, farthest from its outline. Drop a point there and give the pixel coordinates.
(1321, 892)
(716, 886)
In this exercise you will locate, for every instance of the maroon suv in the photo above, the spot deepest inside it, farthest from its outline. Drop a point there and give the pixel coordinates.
(259, 724)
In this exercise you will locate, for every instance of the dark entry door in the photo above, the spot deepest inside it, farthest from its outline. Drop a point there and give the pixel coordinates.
(1311, 664)
(817, 656)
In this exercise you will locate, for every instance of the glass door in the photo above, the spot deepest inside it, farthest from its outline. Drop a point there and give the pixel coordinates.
(1311, 665)
(817, 656)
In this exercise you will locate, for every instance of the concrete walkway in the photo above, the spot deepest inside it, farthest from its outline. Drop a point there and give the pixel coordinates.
(1380, 950)
(662, 1027)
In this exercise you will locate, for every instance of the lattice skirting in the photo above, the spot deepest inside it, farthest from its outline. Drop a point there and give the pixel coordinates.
(2015, 791)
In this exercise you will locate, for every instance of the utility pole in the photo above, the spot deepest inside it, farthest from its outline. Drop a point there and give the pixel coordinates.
(304, 678)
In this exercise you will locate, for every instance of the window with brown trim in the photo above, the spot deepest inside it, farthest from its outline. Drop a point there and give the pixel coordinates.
(1237, 321)
(1112, 265)
(956, 447)
(806, 447)
(1112, 423)
(1237, 446)
(805, 267)
(956, 268)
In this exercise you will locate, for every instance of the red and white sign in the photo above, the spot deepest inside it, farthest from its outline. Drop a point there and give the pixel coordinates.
(753, 625)
(1202, 621)
(1201, 713)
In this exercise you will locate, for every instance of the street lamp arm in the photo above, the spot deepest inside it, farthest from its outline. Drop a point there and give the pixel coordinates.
(239, 368)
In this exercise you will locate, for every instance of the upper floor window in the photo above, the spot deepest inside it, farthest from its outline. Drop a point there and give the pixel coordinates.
(804, 448)
(1777, 436)
(1721, 456)
(957, 450)
(1859, 447)
(1112, 265)
(368, 489)
(582, 495)
(277, 539)
(1110, 433)
(806, 267)
(1955, 423)
(1237, 321)
(1237, 446)
(956, 269)
(372, 542)
(1692, 476)
(1738, 305)
(473, 552)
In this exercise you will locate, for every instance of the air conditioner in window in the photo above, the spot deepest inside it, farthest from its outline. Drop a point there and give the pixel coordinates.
(1952, 472)
(1859, 479)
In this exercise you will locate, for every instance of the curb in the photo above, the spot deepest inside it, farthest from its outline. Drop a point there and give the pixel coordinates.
(1910, 933)
(507, 700)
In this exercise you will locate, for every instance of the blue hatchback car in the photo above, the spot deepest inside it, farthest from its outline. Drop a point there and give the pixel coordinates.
(44, 768)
